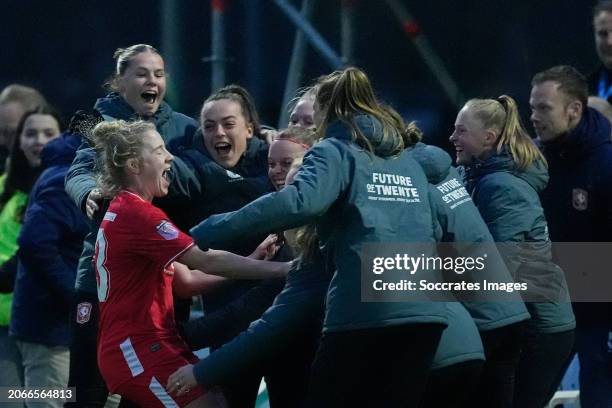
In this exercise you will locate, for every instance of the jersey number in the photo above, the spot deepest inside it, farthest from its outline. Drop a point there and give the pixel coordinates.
(101, 271)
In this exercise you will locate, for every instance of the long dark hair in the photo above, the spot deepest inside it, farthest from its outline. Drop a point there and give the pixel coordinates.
(20, 176)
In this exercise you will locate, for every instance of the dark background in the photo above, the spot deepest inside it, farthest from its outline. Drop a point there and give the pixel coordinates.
(490, 47)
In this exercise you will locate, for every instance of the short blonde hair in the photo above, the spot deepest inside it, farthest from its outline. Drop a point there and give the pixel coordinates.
(305, 137)
(117, 142)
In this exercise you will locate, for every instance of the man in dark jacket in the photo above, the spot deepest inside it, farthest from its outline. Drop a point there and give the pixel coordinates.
(578, 204)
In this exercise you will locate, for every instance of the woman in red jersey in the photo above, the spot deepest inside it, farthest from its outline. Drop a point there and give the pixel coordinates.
(139, 345)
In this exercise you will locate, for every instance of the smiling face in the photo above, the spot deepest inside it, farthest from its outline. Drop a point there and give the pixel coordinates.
(282, 156)
(150, 171)
(225, 131)
(38, 130)
(471, 140)
(143, 84)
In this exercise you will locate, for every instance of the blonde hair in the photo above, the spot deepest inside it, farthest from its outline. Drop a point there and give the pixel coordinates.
(26, 96)
(342, 95)
(501, 115)
(124, 57)
(308, 92)
(305, 137)
(117, 142)
(307, 242)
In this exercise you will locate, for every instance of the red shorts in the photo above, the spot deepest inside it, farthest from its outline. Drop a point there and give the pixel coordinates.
(153, 362)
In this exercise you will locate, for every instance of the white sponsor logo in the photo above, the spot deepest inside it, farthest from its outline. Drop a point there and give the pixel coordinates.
(167, 230)
(110, 216)
(233, 175)
(392, 187)
(454, 194)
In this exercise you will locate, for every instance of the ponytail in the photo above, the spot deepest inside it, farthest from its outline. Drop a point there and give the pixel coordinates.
(515, 137)
(501, 115)
(342, 95)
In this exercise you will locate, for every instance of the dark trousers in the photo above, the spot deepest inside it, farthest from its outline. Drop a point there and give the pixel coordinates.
(286, 373)
(502, 348)
(378, 367)
(594, 347)
(453, 386)
(91, 390)
(544, 359)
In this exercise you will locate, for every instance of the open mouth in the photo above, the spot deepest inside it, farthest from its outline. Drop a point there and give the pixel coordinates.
(150, 97)
(223, 148)
(166, 175)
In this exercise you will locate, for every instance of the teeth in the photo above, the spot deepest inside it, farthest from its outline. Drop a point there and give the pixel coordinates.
(149, 96)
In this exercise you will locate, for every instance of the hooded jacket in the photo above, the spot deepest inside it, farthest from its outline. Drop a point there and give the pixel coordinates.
(508, 201)
(50, 245)
(461, 223)
(331, 190)
(175, 129)
(200, 187)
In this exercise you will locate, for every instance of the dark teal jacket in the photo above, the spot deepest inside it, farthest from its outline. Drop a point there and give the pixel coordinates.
(461, 223)
(508, 201)
(293, 320)
(331, 190)
(175, 129)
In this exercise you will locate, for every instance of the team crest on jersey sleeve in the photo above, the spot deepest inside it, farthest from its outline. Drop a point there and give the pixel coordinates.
(167, 230)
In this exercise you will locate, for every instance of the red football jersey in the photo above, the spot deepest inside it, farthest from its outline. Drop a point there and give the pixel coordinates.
(135, 247)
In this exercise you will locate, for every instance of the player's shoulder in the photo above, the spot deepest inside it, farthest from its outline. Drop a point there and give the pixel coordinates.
(129, 208)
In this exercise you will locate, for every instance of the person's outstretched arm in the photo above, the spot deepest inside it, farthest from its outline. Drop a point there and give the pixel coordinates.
(320, 181)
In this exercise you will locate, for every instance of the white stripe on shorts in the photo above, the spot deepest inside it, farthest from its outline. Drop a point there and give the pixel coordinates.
(131, 358)
(161, 394)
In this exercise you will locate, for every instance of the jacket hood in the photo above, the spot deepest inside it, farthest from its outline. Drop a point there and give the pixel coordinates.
(113, 105)
(61, 150)
(436, 163)
(535, 175)
(371, 129)
(592, 131)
